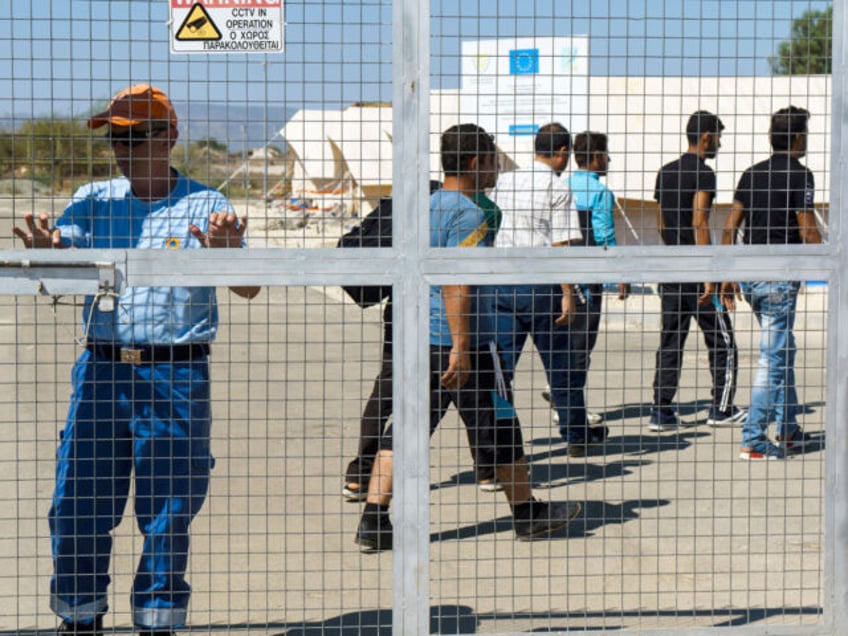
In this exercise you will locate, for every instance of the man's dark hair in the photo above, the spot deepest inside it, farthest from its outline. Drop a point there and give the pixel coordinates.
(460, 144)
(586, 144)
(785, 125)
(700, 123)
(551, 138)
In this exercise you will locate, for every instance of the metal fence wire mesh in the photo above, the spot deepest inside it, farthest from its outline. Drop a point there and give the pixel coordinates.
(620, 411)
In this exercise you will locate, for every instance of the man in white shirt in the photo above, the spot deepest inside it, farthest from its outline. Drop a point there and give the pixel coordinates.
(538, 211)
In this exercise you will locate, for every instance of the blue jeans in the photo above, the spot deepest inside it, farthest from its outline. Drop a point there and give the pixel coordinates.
(152, 420)
(523, 310)
(773, 395)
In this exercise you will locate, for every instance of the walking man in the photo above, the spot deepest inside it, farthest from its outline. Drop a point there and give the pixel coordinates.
(595, 203)
(775, 200)
(464, 363)
(538, 211)
(685, 190)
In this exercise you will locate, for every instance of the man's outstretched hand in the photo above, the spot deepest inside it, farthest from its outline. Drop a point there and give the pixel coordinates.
(38, 233)
(225, 230)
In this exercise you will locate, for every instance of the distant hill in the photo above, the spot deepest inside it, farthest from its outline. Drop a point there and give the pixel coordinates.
(238, 126)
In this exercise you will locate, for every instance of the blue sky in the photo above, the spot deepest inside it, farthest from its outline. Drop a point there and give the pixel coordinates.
(62, 55)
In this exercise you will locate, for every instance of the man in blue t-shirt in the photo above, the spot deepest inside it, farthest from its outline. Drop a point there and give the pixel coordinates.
(464, 362)
(141, 394)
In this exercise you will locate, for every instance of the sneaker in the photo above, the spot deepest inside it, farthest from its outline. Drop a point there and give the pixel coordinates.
(597, 435)
(793, 443)
(544, 519)
(354, 492)
(734, 416)
(763, 451)
(591, 416)
(664, 419)
(490, 485)
(86, 629)
(374, 533)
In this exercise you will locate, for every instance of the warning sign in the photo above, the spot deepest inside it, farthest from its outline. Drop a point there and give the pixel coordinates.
(227, 26)
(198, 26)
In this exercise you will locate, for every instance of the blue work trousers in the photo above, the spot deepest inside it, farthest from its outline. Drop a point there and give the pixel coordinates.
(151, 418)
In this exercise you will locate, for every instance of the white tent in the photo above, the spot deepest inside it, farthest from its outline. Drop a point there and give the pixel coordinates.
(341, 152)
(307, 136)
(363, 139)
(645, 118)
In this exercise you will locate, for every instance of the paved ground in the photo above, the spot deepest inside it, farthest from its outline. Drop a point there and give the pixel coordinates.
(676, 531)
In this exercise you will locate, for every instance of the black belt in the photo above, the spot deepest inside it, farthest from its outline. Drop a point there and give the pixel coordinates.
(141, 354)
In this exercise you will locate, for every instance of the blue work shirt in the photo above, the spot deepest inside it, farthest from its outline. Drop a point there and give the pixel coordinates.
(456, 221)
(590, 194)
(106, 215)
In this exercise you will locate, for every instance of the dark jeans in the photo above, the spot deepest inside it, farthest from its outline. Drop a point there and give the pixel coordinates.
(524, 310)
(679, 306)
(584, 330)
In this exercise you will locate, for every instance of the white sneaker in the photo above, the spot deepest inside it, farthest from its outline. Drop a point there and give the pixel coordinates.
(594, 418)
(736, 417)
(591, 417)
(491, 485)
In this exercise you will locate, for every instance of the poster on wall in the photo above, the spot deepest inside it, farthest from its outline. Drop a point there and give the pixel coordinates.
(512, 86)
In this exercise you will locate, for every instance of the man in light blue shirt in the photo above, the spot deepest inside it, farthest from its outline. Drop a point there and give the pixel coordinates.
(595, 203)
(141, 394)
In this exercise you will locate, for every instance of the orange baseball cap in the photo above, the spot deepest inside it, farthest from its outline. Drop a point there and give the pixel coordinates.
(136, 105)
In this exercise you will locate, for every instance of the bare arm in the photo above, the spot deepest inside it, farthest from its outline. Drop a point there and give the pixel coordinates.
(808, 228)
(730, 290)
(568, 307)
(701, 204)
(457, 299)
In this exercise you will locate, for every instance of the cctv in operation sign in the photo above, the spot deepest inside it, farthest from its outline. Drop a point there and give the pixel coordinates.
(227, 26)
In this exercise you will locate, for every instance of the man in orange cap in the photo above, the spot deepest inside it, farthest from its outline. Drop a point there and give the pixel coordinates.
(141, 394)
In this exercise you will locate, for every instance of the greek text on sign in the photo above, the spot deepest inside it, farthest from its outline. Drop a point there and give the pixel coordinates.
(227, 26)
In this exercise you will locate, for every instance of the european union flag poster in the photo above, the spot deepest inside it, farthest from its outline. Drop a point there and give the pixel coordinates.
(524, 62)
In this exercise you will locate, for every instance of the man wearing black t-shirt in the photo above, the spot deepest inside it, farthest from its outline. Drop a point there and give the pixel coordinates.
(685, 190)
(774, 198)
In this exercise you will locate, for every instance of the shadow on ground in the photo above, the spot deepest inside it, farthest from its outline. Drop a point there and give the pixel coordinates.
(461, 619)
(594, 515)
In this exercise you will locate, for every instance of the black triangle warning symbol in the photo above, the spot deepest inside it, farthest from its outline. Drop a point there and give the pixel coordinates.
(198, 26)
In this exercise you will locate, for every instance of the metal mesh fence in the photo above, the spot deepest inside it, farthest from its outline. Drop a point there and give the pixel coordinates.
(306, 116)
